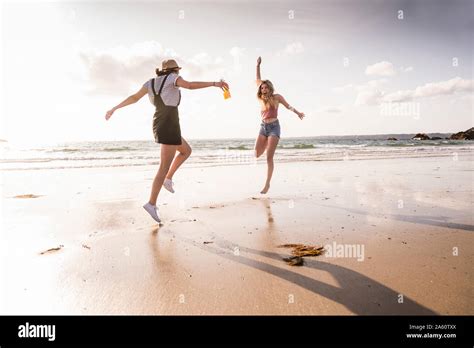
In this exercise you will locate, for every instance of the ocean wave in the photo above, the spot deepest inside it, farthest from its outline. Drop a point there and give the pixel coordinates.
(398, 144)
(240, 147)
(224, 152)
(115, 149)
(87, 149)
(64, 150)
(298, 146)
(283, 157)
(72, 159)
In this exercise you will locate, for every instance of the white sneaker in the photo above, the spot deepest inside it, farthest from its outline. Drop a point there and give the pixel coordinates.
(153, 211)
(168, 184)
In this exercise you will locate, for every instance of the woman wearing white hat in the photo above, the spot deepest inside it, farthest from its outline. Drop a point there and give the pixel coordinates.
(164, 93)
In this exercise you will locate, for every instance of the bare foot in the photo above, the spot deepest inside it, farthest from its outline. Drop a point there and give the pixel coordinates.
(265, 189)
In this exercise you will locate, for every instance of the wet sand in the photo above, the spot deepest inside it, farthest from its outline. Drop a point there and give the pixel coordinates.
(217, 250)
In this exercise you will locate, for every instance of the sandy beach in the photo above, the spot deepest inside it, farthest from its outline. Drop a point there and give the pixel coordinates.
(217, 249)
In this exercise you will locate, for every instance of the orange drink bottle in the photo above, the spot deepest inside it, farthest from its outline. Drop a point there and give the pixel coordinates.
(226, 92)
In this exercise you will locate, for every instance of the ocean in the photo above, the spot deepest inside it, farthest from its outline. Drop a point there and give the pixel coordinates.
(214, 152)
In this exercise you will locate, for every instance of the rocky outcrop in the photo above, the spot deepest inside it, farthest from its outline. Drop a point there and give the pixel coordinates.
(466, 135)
(421, 136)
(392, 138)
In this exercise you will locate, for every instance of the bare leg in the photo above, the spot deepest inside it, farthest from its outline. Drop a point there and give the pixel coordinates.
(184, 152)
(166, 157)
(271, 147)
(260, 145)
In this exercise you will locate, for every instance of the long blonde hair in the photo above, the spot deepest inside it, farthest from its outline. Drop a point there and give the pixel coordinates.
(269, 100)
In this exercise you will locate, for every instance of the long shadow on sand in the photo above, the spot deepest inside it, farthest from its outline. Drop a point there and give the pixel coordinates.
(357, 292)
(419, 219)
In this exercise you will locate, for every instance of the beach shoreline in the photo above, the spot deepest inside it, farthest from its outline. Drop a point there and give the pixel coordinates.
(217, 250)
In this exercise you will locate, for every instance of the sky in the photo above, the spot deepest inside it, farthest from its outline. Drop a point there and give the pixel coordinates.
(353, 67)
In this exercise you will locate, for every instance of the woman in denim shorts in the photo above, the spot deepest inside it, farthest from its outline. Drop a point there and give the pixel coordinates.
(270, 127)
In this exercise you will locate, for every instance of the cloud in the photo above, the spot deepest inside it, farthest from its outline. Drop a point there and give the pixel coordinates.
(121, 69)
(368, 97)
(468, 97)
(383, 68)
(237, 53)
(344, 88)
(407, 69)
(327, 109)
(292, 48)
(433, 89)
(397, 96)
(370, 93)
(333, 110)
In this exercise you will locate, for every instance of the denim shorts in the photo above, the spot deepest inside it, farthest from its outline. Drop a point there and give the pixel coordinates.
(268, 129)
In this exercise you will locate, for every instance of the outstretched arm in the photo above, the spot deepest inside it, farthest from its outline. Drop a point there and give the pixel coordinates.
(129, 100)
(259, 79)
(180, 82)
(288, 106)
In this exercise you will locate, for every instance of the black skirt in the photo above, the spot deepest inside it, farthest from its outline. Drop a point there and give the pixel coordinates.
(166, 129)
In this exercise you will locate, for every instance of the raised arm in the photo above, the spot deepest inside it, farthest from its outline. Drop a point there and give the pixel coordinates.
(259, 79)
(288, 106)
(180, 82)
(129, 100)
